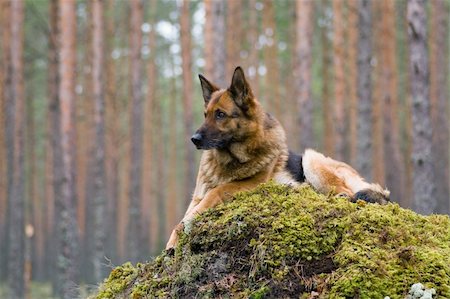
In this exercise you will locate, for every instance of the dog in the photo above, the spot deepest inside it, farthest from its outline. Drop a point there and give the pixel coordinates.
(243, 146)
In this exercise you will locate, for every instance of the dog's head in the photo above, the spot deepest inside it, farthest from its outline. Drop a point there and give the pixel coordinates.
(230, 114)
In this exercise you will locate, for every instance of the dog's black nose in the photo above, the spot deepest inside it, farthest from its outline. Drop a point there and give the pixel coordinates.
(197, 139)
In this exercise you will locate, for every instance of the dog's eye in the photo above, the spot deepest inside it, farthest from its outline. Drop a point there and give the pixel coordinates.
(220, 114)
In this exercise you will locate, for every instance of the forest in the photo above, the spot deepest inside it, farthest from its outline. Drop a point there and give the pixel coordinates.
(99, 99)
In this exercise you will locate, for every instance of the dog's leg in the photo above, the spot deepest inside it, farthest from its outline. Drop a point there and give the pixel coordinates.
(174, 235)
(327, 175)
(214, 197)
(194, 202)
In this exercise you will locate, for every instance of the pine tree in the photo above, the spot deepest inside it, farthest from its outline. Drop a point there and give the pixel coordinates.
(134, 222)
(305, 26)
(395, 169)
(439, 100)
(98, 66)
(364, 160)
(15, 130)
(339, 79)
(424, 200)
(66, 210)
(185, 25)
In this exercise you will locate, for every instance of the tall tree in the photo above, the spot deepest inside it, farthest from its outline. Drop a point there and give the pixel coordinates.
(53, 150)
(134, 223)
(424, 200)
(209, 38)
(3, 154)
(439, 99)
(328, 137)
(378, 102)
(99, 99)
(270, 52)
(252, 37)
(305, 25)
(215, 48)
(352, 77)
(290, 119)
(111, 133)
(395, 169)
(234, 34)
(66, 210)
(364, 159)
(339, 78)
(406, 125)
(171, 208)
(185, 26)
(15, 125)
(85, 143)
(149, 198)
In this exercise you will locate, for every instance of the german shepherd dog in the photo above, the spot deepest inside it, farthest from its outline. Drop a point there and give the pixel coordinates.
(245, 146)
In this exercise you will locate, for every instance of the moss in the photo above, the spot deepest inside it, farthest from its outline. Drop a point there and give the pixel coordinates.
(118, 282)
(279, 242)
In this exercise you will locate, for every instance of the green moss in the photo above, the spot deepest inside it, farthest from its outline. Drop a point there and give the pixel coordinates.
(279, 242)
(118, 282)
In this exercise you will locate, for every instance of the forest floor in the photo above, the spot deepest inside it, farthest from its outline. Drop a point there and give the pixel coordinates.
(277, 242)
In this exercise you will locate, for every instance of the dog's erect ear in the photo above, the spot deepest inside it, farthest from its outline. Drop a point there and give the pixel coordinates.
(207, 88)
(240, 89)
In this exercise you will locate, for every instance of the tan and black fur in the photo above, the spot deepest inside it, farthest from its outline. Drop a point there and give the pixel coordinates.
(245, 146)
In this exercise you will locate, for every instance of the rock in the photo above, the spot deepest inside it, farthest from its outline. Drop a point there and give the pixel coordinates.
(277, 242)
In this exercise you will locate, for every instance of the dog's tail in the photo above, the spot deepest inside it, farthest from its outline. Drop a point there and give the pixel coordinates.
(327, 175)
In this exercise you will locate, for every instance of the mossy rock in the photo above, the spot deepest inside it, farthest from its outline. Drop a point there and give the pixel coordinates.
(278, 242)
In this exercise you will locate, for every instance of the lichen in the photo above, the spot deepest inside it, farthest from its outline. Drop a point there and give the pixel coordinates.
(277, 241)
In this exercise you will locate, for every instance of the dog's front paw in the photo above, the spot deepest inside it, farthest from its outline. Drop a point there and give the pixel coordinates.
(174, 237)
(370, 196)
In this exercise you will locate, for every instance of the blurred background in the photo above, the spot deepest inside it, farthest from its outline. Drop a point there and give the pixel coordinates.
(99, 100)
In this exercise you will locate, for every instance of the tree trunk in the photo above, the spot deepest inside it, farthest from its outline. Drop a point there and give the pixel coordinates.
(15, 125)
(234, 27)
(171, 208)
(149, 198)
(327, 105)
(378, 102)
(54, 145)
(67, 224)
(406, 126)
(339, 79)
(3, 149)
(98, 63)
(215, 48)
(290, 119)
(185, 25)
(161, 177)
(85, 161)
(352, 78)
(209, 38)
(424, 200)
(364, 158)
(305, 26)
(272, 77)
(134, 223)
(439, 100)
(253, 56)
(33, 231)
(111, 135)
(395, 169)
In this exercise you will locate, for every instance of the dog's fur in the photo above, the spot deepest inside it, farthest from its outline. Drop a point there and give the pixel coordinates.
(244, 147)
